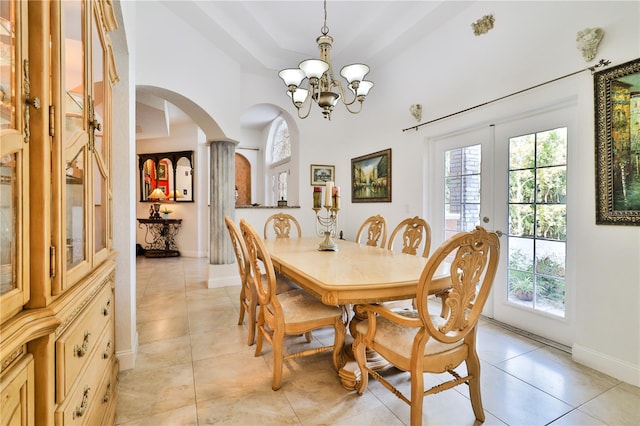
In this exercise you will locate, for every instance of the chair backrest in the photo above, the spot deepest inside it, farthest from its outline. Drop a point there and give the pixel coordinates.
(263, 278)
(239, 248)
(281, 223)
(376, 231)
(416, 232)
(473, 258)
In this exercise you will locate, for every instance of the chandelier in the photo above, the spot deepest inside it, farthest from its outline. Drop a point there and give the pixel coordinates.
(322, 87)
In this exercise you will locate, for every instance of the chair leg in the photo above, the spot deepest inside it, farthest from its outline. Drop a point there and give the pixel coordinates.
(417, 396)
(252, 306)
(260, 331)
(473, 368)
(278, 358)
(242, 305)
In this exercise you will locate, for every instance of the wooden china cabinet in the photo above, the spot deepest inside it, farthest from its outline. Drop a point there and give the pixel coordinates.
(57, 354)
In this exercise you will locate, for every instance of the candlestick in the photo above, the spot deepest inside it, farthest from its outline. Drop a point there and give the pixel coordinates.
(328, 194)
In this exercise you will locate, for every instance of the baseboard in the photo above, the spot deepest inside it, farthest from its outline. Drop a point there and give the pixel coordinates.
(621, 370)
(223, 275)
(127, 358)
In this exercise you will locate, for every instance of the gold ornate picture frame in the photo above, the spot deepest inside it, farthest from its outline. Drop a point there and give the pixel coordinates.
(617, 122)
(371, 178)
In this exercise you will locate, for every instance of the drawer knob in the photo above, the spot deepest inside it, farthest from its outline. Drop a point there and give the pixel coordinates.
(79, 411)
(80, 351)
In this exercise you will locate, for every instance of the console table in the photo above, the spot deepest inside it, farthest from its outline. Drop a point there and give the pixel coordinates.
(160, 236)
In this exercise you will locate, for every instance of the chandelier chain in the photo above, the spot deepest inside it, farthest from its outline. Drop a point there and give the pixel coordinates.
(325, 29)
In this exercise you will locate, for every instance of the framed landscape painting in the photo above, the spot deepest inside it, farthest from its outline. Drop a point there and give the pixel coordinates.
(617, 117)
(321, 174)
(371, 178)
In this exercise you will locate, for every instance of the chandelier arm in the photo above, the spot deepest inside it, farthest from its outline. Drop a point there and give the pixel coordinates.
(343, 97)
(310, 102)
(356, 111)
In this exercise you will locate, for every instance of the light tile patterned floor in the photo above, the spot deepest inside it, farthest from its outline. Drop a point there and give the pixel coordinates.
(194, 368)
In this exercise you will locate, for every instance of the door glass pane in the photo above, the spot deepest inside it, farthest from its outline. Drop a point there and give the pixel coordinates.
(462, 184)
(74, 137)
(7, 65)
(8, 222)
(75, 183)
(538, 221)
(100, 206)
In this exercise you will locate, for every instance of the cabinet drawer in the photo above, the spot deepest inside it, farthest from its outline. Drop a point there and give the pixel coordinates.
(75, 347)
(105, 404)
(86, 395)
(17, 394)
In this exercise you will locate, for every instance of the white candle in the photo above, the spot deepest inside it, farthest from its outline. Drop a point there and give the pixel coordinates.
(327, 194)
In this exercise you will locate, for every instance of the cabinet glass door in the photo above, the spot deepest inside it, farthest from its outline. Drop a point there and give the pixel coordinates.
(14, 159)
(75, 137)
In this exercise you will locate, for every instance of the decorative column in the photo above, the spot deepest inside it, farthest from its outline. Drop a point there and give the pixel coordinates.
(222, 184)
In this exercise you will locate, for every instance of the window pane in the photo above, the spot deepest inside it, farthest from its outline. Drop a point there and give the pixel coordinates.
(552, 185)
(281, 144)
(462, 185)
(522, 185)
(521, 220)
(521, 152)
(551, 147)
(551, 222)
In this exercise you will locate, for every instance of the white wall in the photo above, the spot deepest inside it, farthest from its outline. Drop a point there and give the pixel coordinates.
(532, 42)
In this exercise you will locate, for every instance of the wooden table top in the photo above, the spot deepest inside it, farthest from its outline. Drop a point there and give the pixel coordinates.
(355, 274)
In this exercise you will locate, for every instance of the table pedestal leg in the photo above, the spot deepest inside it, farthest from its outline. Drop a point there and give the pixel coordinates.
(350, 373)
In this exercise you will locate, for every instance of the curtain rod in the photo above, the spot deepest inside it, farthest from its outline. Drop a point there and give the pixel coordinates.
(601, 63)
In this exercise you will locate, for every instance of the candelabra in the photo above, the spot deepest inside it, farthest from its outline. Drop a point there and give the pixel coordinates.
(327, 225)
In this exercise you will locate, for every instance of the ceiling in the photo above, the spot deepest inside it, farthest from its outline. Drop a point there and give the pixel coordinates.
(267, 36)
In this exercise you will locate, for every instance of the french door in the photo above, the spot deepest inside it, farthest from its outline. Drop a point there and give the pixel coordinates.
(512, 177)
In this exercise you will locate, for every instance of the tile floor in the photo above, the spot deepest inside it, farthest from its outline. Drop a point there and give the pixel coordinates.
(194, 368)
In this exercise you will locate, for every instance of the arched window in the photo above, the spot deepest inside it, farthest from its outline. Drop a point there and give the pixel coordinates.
(281, 169)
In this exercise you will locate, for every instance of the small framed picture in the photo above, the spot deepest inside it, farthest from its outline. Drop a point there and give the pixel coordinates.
(162, 171)
(321, 174)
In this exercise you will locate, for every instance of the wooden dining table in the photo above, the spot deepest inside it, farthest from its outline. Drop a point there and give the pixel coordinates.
(354, 274)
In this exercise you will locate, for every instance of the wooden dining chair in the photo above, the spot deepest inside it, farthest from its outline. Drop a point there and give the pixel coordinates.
(295, 312)
(248, 296)
(415, 233)
(375, 230)
(420, 341)
(281, 224)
